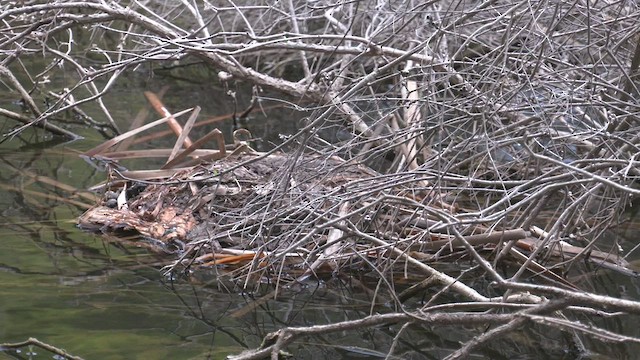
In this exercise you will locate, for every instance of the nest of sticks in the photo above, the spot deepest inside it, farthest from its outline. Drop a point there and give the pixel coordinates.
(293, 216)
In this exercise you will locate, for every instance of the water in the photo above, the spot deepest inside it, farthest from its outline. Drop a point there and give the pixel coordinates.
(76, 291)
(100, 300)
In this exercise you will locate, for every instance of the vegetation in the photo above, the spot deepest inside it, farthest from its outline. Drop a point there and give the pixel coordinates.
(501, 134)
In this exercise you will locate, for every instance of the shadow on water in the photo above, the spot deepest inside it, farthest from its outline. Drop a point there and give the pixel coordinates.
(101, 300)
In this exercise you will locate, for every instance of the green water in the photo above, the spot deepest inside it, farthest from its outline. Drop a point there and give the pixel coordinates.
(69, 288)
(99, 300)
(78, 292)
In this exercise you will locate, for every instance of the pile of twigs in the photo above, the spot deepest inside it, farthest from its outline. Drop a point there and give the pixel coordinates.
(286, 214)
(498, 130)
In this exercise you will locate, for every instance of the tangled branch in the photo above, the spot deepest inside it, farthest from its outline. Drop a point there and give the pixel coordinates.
(493, 126)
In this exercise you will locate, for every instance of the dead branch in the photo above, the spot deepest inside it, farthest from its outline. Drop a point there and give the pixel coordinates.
(494, 132)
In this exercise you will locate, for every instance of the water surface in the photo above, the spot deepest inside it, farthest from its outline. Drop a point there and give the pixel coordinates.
(100, 300)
